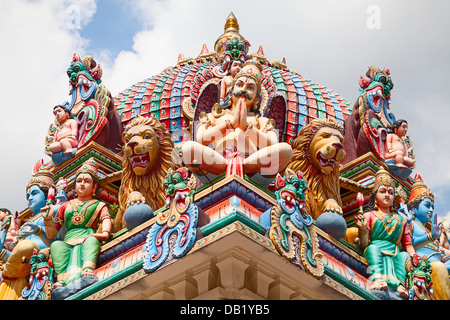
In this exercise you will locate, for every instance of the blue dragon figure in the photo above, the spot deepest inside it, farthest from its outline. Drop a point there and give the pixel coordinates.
(179, 221)
(289, 220)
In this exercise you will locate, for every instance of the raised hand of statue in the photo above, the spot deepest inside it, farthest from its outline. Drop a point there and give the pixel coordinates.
(360, 222)
(240, 115)
(435, 229)
(31, 228)
(47, 212)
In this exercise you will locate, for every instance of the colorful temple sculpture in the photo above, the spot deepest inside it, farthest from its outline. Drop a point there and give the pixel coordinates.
(225, 176)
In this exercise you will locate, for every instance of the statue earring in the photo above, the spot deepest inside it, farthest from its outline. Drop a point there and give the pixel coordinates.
(375, 206)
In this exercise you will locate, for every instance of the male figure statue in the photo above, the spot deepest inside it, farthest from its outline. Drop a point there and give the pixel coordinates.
(396, 147)
(239, 133)
(66, 134)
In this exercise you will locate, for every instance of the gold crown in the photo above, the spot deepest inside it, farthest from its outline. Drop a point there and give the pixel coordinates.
(43, 179)
(251, 69)
(419, 191)
(89, 166)
(383, 178)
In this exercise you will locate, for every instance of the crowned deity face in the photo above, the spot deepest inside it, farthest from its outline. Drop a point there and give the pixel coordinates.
(424, 211)
(385, 197)
(85, 186)
(36, 199)
(247, 88)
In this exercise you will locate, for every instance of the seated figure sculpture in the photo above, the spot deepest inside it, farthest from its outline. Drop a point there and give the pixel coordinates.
(240, 134)
(77, 255)
(383, 233)
(395, 145)
(66, 135)
(445, 234)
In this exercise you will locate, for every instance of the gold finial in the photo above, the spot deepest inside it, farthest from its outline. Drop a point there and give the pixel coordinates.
(231, 25)
(231, 31)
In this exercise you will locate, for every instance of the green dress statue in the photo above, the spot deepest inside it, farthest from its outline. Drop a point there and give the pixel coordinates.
(79, 250)
(385, 237)
(384, 256)
(76, 256)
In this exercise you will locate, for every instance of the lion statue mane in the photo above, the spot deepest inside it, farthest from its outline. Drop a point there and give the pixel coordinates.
(318, 150)
(144, 174)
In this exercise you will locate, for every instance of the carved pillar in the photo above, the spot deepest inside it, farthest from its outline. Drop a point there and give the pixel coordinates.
(161, 292)
(185, 288)
(278, 290)
(258, 279)
(232, 272)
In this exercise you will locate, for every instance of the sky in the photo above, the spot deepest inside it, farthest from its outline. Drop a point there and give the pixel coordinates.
(328, 41)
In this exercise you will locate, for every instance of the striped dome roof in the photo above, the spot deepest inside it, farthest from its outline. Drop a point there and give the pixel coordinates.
(164, 95)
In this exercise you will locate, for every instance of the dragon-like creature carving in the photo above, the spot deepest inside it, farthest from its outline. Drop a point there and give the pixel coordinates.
(91, 105)
(367, 127)
(175, 229)
(419, 283)
(289, 220)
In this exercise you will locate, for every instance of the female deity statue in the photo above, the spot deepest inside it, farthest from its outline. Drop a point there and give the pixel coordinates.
(383, 233)
(76, 256)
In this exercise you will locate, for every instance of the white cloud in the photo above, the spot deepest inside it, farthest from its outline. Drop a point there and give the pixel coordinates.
(37, 47)
(446, 216)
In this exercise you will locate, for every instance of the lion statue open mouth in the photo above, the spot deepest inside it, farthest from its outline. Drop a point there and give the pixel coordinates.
(318, 150)
(147, 158)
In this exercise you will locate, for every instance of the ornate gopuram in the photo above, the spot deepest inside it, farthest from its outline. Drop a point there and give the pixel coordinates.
(226, 176)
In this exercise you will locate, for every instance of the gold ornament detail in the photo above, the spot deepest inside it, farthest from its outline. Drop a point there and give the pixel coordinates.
(89, 166)
(43, 179)
(383, 178)
(419, 191)
(78, 217)
(386, 221)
